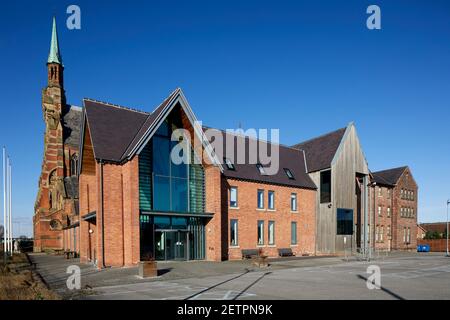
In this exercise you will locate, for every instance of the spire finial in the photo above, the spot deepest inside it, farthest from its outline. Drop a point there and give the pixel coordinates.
(54, 55)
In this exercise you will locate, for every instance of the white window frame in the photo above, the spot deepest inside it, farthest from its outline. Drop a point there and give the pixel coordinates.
(271, 232)
(234, 225)
(260, 198)
(294, 203)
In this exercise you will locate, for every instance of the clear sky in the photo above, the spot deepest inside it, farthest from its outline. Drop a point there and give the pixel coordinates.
(305, 67)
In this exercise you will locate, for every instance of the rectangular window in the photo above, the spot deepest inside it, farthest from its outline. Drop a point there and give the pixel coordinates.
(234, 232)
(293, 202)
(260, 199)
(409, 235)
(404, 234)
(260, 232)
(388, 193)
(293, 233)
(380, 191)
(379, 211)
(388, 231)
(377, 232)
(344, 221)
(233, 197)
(381, 233)
(271, 232)
(389, 212)
(271, 203)
(325, 186)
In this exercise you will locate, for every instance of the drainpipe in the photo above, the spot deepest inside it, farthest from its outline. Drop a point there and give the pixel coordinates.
(366, 217)
(103, 215)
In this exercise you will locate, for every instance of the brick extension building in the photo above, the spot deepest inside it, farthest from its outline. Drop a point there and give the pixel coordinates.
(126, 200)
(394, 209)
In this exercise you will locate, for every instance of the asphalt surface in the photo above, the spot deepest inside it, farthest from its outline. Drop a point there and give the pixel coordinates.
(403, 276)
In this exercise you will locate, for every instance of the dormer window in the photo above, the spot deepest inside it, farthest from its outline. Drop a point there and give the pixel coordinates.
(289, 174)
(229, 164)
(261, 169)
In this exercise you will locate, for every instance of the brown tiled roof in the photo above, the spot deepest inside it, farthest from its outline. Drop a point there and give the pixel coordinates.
(289, 158)
(435, 226)
(321, 150)
(389, 176)
(115, 130)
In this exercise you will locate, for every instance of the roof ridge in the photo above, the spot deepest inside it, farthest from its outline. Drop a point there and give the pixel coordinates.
(318, 137)
(280, 144)
(391, 169)
(116, 105)
(168, 97)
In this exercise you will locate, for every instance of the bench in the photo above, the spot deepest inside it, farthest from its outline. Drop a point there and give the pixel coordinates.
(70, 254)
(249, 253)
(285, 252)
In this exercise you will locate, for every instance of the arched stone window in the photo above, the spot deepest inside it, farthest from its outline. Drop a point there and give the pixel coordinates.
(74, 164)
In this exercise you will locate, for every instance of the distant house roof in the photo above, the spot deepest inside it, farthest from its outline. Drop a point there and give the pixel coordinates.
(289, 158)
(115, 130)
(388, 177)
(320, 151)
(434, 227)
(71, 125)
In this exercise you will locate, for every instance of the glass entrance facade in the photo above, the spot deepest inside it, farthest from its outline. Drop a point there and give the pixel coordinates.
(173, 237)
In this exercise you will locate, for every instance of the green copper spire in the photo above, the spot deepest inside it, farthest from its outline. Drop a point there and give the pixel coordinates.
(54, 56)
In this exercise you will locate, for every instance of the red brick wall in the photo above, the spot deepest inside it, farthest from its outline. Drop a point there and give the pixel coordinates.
(383, 222)
(213, 229)
(406, 182)
(247, 215)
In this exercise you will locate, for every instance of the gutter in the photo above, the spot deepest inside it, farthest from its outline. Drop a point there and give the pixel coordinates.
(103, 214)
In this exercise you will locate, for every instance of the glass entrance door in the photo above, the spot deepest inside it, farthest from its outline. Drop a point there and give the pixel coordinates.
(171, 245)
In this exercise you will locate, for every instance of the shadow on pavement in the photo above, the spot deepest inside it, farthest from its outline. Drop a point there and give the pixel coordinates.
(216, 285)
(384, 289)
(251, 285)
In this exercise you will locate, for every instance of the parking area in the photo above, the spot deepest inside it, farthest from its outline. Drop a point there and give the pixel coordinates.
(403, 276)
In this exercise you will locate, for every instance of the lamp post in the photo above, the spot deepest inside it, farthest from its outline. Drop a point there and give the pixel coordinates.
(446, 231)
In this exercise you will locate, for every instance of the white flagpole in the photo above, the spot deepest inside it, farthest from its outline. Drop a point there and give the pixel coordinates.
(11, 235)
(4, 203)
(7, 204)
(8, 235)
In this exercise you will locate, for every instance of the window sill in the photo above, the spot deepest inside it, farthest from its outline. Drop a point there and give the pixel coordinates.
(234, 208)
(272, 210)
(233, 247)
(272, 246)
(294, 211)
(294, 245)
(260, 209)
(260, 245)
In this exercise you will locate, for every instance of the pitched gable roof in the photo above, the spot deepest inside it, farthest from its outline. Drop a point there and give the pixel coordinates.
(320, 151)
(389, 176)
(118, 133)
(289, 158)
(112, 128)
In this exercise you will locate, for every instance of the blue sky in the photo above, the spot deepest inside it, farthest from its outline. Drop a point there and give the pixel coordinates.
(305, 67)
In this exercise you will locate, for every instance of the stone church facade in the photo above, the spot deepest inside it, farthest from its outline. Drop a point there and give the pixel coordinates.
(56, 206)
